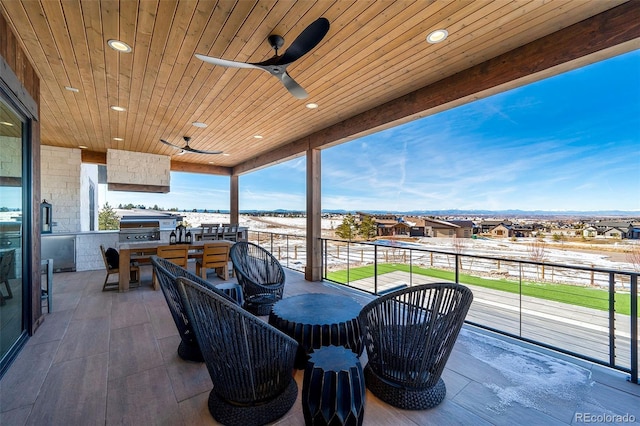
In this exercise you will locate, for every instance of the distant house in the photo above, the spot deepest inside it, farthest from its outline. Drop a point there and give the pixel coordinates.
(487, 225)
(441, 228)
(417, 226)
(604, 225)
(501, 231)
(522, 231)
(391, 227)
(466, 228)
(589, 232)
(615, 233)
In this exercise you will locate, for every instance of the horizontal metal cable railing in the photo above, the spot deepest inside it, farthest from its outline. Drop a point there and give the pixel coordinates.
(587, 312)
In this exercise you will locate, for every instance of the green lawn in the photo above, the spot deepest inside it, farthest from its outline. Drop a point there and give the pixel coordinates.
(564, 293)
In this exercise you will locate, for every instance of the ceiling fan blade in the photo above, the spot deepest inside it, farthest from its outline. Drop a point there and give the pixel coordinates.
(307, 40)
(199, 151)
(224, 62)
(294, 88)
(170, 144)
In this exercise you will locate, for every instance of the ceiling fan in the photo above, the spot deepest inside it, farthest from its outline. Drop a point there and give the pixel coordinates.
(186, 148)
(277, 65)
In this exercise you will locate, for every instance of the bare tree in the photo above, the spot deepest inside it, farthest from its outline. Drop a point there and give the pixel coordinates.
(459, 245)
(633, 257)
(536, 250)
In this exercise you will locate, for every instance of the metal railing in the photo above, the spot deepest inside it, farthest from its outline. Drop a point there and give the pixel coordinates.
(587, 312)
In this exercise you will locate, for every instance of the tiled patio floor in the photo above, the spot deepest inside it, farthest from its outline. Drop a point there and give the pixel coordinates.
(110, 358)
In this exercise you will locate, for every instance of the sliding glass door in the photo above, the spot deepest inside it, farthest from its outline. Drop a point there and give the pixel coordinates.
(13, 200)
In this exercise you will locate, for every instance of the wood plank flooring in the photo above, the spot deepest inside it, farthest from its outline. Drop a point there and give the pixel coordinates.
(110, 358)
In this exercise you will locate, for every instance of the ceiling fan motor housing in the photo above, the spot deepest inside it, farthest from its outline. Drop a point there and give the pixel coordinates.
(276, 42)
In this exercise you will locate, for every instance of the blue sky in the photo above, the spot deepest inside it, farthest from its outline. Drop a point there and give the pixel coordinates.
(570, 142)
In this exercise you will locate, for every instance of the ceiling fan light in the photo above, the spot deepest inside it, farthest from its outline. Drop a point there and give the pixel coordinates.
(120, 46)
(437, 36)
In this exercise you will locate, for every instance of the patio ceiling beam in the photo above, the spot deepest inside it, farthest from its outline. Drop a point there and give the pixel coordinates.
(94, 157)
(605, 35)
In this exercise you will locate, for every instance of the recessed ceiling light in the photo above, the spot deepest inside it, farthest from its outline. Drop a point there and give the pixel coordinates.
(118, 139)
(226, 155)
(6, 123)
(72, 89)
(212, 162)
(257, 136)
(312, 105)
(437, 36)
(120, 46)
(82, 147)
(199, 124)
(118, 108)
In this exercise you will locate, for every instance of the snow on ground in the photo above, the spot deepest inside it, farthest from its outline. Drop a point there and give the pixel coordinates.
(554, 252)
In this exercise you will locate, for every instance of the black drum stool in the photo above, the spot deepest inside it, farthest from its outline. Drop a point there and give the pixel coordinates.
(333, 391)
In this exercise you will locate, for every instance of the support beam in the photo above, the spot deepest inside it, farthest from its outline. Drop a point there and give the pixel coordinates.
(313, 270)
(233, 200)
(95, 157)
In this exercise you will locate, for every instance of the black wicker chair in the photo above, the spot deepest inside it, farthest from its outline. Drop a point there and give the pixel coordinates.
(249, 361)
(409, 336)
(260, 275)
(167, 273)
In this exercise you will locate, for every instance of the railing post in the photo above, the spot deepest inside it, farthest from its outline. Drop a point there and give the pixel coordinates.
(612, 320)
(410, 268)
(348, 263)
(520, 299)
(375, 269)
(457, 269)
(634, 328)
(271, 242)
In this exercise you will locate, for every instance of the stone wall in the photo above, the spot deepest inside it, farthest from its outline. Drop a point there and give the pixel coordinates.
(137, 168)
(60, 172)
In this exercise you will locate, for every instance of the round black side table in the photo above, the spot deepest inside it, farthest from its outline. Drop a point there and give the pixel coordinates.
(333, 390)
(316, 320)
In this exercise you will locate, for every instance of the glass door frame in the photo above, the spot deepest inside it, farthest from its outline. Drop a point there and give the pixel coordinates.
(27, 239)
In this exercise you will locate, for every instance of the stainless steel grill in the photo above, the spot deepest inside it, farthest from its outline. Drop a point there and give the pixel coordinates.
(139, 230)
(10, 235)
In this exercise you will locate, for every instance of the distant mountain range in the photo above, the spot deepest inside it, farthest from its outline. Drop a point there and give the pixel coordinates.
(456, 212)
(511, 212)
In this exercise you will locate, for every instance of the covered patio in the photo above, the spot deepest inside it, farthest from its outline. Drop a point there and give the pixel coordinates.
(110, 358)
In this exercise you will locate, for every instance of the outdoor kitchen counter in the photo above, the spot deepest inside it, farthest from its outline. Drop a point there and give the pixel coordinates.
(148, 247)
(85, 252)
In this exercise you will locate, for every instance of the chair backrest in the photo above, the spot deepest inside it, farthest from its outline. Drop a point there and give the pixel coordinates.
(177, 254)
(215, 255)
(410, 333)
(248, 359)
(254, 263)
(110, 261)
(168, 273)
(209, 231)
(230, 232)
(6, 264)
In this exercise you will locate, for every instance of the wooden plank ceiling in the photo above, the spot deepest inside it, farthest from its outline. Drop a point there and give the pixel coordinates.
(375, 52)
